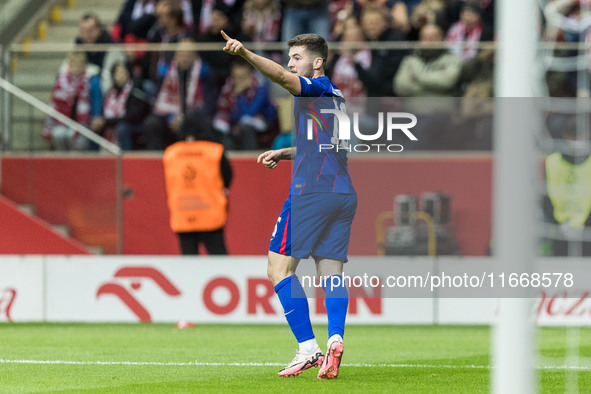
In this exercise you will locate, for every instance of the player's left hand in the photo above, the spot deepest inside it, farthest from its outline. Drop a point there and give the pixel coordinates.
(233, 47)
(270, 158)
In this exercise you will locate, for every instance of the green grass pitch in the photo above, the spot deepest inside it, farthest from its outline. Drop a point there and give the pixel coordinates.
(160, 358)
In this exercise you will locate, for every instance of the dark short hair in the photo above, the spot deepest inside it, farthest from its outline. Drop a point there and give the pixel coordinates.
(116, 65)
(223, 8)
(198, 125)
(472, 7)
(175, 11)
(94, 17)
(313, 43)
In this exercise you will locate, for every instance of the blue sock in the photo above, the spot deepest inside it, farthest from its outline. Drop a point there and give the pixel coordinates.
(336, 299)
(295, 308)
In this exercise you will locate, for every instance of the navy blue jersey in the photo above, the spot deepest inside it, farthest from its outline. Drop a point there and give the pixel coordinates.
(318, 167)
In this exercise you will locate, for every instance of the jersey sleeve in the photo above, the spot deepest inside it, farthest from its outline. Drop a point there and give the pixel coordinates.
(313, 87)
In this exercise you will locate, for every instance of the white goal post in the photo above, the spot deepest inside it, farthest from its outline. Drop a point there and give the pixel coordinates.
(513, 350)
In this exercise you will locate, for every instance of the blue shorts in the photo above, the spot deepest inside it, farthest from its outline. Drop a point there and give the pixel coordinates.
(315, 224)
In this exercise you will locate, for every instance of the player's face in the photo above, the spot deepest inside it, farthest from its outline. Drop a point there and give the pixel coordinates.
(300, 62)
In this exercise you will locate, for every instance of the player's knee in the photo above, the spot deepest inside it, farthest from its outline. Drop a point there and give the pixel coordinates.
(276, 273)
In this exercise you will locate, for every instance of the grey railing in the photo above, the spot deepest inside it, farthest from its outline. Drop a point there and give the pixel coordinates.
(15, 92)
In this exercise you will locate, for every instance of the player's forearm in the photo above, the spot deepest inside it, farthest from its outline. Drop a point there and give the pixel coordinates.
(267, 67)
(275, 72)
(288, 153)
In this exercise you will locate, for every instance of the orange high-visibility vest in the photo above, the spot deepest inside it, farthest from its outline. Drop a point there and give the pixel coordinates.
(194, 186)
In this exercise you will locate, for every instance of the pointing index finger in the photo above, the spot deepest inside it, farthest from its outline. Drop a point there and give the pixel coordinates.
(226, 37)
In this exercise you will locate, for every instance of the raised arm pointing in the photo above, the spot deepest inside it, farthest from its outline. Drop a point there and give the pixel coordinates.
(275, 72)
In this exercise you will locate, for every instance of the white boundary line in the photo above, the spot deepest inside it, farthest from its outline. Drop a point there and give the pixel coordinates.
(255, 364)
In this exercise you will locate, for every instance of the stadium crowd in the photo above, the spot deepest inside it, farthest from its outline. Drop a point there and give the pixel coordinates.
(138, 99)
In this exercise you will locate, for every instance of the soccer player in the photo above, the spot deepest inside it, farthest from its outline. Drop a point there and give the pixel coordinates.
(317, 216)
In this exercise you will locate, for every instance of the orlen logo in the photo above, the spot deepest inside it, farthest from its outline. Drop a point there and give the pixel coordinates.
(342, 130)
(7, 297)
(259, 294)
(137, 275)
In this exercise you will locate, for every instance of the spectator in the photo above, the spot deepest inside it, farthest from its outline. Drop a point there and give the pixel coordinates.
(559, 84)
(245, 117)
(169, 29)
(188, 13)
(398, 11)
(219, 61)
(427, 12)
(474, 115)
(136, 18)
(567, 21)
(476, 77)
(468, 30)
(133, 25)
(360, 5)
(487, 8)
(261, 21)
(197, 176)
(384, 63)
(305, 16)
(76, 94)
(183, 90)
(430, 71)
(342, 71)
(203, 12)
(342, 16)
(400, 15)
(568, 184)
(339, 10)
(341, 67)
(125, 108)
(92, 31)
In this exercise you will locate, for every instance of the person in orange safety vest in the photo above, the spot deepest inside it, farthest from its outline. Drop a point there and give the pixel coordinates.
(197, 175)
